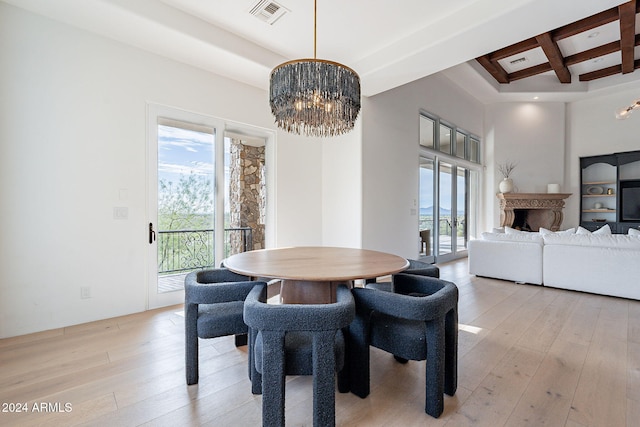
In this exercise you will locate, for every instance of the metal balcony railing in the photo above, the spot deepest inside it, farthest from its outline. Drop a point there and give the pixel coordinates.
(183, 250)
(444, 225)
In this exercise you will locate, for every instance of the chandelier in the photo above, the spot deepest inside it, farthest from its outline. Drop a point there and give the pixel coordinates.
(625, 112)
(314, 97)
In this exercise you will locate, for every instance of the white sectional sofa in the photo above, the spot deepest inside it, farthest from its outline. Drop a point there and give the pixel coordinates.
(507, 256)
(601, 263)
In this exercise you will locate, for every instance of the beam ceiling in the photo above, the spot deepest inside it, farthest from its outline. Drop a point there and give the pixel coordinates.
(625, 14)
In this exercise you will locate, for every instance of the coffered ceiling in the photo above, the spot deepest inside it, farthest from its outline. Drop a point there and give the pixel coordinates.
(389, 43)
(599, 46)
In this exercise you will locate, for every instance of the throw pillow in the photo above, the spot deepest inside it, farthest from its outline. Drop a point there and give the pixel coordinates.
(545, 231)
(509, 230)
(605, 229)
(582, 230)
(634, 232)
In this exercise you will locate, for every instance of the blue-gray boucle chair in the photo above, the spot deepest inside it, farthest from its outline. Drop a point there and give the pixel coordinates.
(213, 304)
(297, 339)
(418, 321)
(415, 267)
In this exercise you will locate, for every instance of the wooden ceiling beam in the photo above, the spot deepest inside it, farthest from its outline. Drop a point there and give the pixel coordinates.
(586, 24)
(627, 13)
(531, 71)
(494, 69)
(594, 53)
(514, 49)
(598, 74)
(552, 51)
(606, 72)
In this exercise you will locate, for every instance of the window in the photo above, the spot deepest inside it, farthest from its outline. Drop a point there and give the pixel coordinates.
(446, 134)
(448, 139)
(474, 150)
(427, 131)
(461, 142)
(449, 189)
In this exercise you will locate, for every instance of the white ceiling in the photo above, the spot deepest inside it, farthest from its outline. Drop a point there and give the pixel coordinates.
(389, 43)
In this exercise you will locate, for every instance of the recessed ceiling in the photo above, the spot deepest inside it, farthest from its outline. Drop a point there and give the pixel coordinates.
(595, 47)
(388, 43)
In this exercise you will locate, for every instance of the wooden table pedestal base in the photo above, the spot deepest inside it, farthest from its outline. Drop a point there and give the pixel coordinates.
(309, 292)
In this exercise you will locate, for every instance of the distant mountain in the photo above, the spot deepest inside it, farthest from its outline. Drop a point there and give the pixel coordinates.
(443, 211)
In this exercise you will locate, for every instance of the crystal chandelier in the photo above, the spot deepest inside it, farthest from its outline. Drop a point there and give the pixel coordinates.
(314, 97)
(625, 112)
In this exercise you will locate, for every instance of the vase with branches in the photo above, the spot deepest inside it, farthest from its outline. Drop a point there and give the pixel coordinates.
(506, 169)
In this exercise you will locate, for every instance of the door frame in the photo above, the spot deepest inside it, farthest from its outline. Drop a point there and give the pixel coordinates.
(221, 128)
(155, 112)
(470, 212)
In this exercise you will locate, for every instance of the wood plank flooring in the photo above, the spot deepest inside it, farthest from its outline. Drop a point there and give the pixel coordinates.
(528, 356)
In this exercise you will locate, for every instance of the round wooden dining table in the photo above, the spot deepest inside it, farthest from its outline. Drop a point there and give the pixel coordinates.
(310, 274)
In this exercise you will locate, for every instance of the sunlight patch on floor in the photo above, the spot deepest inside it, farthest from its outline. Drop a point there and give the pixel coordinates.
(469, 328)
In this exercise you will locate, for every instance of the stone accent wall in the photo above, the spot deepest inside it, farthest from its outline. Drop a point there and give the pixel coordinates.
(247, 193)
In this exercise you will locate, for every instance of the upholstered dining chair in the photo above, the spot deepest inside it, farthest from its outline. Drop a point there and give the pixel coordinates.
(213, 304)
(418, 321)
(297, 339)
(415, 267)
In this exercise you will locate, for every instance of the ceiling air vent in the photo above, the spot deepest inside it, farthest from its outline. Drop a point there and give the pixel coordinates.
(268, 11)
(518, 60)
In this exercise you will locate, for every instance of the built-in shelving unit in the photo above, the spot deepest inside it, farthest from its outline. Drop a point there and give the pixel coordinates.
(600, 178)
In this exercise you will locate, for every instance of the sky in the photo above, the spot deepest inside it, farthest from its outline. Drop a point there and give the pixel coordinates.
(182, 151)
(426, 190)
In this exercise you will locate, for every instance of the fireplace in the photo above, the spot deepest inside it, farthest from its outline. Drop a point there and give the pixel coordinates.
(531, 211)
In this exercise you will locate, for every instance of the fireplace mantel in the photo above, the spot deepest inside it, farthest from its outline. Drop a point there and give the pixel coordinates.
(542, 209)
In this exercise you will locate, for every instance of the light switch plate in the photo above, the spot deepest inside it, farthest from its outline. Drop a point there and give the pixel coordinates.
(120, 213)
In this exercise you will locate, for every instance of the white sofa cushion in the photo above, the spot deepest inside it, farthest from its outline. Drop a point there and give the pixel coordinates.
(620, 241)
(544, 231)
(520, 261)
(634, 232)
(521, 236)
(606, 271)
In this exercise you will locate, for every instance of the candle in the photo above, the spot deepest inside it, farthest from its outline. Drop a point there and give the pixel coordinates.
(553, 188)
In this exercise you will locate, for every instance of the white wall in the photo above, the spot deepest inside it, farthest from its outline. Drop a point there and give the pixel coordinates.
(547, 141)
(592, 130)
(72, 106)
(390, 167)
(342, 189)
(72, 135)
(298, 170)
(531, 135)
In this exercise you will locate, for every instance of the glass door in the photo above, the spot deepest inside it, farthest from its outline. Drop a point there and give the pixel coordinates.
(460, 220)
(445, 215)
(447, 201)
(449, 188)
(207, 197)
(183, 151)
(427, 209)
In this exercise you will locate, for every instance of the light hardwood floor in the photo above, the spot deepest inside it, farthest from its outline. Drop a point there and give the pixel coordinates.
(528, 355)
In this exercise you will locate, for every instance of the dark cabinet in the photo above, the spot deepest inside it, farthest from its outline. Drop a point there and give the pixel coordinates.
(610, 191)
